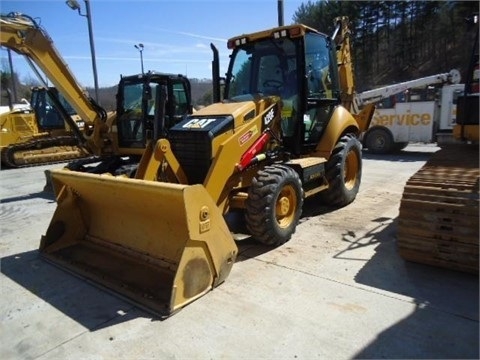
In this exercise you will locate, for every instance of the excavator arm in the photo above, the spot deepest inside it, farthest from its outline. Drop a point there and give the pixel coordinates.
(23, 35)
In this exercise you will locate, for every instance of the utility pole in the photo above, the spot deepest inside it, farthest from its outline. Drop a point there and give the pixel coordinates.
(280, 12)
(74, 5)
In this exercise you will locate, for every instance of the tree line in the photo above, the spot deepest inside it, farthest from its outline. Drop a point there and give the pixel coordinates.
(201, 91)
(396, 41)
(393, 41)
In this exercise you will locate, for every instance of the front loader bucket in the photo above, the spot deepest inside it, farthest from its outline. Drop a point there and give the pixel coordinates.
(160, 245)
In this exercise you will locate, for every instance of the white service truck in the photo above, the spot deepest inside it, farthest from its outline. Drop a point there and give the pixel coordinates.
(412, 111)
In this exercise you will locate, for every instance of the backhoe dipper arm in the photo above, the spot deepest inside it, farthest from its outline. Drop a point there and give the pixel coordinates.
(341, 36)
(23, 35)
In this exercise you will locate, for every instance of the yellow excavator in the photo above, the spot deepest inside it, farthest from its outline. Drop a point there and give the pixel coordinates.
(438, 223)
(44, 132)
(281, 133)
(22, 34)
(147, 105)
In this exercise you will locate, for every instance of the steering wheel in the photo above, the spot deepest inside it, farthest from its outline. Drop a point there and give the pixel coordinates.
(272, 83)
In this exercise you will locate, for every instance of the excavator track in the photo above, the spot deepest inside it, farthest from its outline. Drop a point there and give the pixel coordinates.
(438, 222)
(42, 152)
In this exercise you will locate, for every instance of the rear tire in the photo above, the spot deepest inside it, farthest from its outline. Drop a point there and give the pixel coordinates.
(379, 141)
(274, 204)
(343, 172)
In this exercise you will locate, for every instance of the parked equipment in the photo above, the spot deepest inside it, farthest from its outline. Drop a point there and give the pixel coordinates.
(280, 134)
(39, 134)
(438, 222)
(147, 106)
(412, 111)
(145, 102)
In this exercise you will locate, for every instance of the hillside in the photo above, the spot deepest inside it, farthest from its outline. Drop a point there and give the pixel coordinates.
(201, 92)
(395, 41)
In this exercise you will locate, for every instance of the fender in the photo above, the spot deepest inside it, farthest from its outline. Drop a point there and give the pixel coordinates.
(341, 122)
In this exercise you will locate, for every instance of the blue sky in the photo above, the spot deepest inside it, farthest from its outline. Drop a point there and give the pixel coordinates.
(176, 34)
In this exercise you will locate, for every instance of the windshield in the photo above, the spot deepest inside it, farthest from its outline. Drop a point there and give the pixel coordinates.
(271, 67)
(150, 105)
(132, 97)
(264, 67)
(320, 60)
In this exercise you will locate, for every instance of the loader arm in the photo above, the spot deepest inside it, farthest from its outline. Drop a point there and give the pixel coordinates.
(23, 35)
(159, 163)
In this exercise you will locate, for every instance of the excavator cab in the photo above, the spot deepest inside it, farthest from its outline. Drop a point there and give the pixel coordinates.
(45, 103)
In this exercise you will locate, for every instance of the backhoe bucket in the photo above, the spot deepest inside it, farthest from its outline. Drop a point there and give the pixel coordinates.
(160, 245)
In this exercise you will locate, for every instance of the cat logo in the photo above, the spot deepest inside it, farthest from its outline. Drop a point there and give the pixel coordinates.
(197, 123)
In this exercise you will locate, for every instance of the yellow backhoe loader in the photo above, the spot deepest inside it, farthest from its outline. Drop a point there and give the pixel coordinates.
(279, 135)
(147, 104)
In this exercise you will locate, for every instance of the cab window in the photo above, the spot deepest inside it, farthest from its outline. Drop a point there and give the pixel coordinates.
(321, 78)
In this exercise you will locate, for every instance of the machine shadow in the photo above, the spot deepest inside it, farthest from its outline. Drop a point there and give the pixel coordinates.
(433, 290)
(248, 247)
(442, 288)
(91, 306)
(37, 195)
(400, 156)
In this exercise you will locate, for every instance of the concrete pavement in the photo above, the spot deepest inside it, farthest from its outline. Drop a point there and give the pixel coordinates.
(337, 290)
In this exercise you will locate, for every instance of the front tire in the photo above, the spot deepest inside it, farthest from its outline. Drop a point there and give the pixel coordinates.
(274, 204)
(343, 172)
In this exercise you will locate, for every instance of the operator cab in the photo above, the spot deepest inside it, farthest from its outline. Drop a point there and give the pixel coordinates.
(45, 108)
(148, 105)
(299, 65)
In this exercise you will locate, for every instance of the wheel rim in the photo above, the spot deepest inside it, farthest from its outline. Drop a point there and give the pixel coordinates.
(351, 169)
(379, 142)
(285, 206)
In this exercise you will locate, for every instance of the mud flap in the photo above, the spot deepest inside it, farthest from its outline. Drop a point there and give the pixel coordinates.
(160, 245)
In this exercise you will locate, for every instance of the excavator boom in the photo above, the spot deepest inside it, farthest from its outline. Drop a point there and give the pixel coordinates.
(23, 35)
